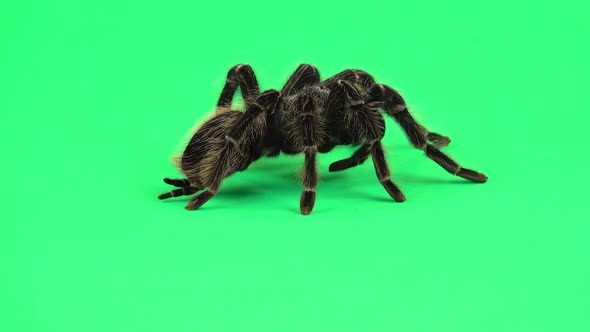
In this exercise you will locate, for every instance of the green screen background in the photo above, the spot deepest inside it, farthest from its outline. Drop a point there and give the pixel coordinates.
(97, 96)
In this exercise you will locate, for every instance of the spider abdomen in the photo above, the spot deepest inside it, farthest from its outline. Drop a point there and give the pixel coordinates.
(207, 146)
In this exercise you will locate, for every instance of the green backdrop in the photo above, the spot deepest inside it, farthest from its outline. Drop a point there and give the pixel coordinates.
(97, 96)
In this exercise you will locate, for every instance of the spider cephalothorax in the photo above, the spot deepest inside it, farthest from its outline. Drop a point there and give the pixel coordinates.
(307, 116)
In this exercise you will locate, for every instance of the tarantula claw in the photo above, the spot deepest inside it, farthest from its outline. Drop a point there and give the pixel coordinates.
(165, 196)
(393, 191)
(472, 175)
(307, 202)
(438, 140)
(199, 200)
(341, 165)
(177, 183)
(184, 191)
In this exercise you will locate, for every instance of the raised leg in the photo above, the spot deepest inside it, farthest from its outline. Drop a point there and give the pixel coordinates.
(243, 76)
(238, 146)
(303, 75)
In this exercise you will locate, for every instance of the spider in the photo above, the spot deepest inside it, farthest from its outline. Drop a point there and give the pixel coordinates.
(307, 116)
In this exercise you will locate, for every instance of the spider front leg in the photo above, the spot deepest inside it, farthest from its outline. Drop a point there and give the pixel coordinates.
(243, 76)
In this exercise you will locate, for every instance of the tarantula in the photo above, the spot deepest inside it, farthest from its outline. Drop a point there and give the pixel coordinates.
(307, 116)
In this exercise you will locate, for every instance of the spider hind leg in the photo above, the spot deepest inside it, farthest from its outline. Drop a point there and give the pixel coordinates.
(395, 106)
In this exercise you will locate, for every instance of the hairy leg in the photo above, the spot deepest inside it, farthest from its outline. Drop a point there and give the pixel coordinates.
(357, 158)
(375, 93)
(303, 75)
(383, 174)
(395, 106)
(306, 134)
(354, 76)
(243, 76)
(310, 182)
